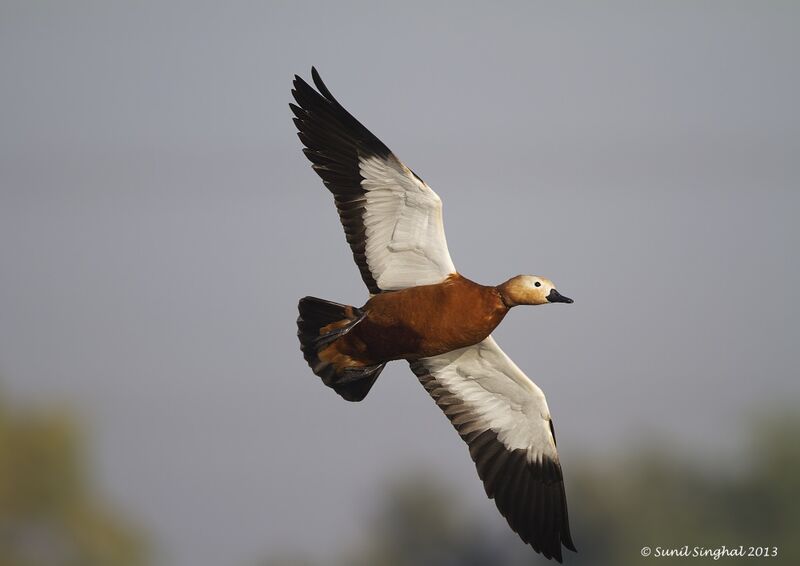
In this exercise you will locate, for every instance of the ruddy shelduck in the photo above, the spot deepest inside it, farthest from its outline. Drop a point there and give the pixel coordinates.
(422, 310)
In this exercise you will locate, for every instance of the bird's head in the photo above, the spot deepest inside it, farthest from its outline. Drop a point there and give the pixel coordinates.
(530, 290)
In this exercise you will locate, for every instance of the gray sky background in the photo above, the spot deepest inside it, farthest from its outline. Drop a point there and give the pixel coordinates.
(158, 223)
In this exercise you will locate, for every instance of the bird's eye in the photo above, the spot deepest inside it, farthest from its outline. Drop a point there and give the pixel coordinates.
(537, 284)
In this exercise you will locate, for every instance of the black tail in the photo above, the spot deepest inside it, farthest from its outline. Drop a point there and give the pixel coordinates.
(352, 383)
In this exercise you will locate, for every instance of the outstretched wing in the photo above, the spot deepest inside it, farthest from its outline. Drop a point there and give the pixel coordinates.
(392, 219)
(503, 417)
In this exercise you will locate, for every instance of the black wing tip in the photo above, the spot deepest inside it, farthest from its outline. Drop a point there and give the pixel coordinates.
(553, 551)
(301, 88)
(551, 531)
(322, 108)
(566, 537)
(300, 84)
(318, 82)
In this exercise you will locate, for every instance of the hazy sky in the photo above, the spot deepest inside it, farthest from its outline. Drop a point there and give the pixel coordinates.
(158, 223)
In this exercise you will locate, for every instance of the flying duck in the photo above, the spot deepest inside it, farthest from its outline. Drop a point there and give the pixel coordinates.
(422, 310)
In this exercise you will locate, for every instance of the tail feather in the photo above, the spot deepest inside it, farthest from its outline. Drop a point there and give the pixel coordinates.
(352, 383)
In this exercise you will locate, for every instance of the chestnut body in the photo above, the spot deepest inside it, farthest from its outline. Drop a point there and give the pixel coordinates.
(418, 322)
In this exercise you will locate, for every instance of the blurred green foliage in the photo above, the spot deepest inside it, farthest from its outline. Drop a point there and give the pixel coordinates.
(49, 516)
(654, 496)
(659, 500)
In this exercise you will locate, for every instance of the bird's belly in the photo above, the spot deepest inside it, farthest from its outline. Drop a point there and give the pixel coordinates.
(417, 334)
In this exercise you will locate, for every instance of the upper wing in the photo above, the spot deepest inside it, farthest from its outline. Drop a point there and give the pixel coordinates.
(392, 219)
(503, 417)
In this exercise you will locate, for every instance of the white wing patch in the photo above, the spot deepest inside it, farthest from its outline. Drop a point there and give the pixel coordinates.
(405, 241)
(497, 395)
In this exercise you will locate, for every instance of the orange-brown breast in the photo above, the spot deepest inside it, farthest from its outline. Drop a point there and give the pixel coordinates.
(424, 321)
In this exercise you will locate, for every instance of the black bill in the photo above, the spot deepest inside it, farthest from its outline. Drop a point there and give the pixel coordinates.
(556, 297)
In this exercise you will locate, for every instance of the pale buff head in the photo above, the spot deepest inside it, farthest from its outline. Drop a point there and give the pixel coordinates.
(530, 290)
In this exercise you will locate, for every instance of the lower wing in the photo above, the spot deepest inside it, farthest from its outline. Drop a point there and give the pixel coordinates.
(503, 417)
